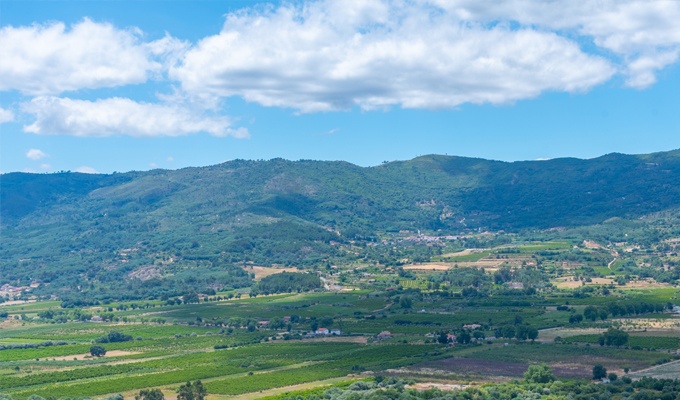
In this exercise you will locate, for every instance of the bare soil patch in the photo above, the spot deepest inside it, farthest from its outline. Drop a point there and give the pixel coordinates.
(600, 281)
(549, 335)
(111, 353)
(591, 245)
(434, 385)
(436, 266)
(567, 283)
(263, 272)
(17, 302)
(461, 253)
(340, 339)
(471, 366)
(646, 323)
(645, 283)
(440, 266)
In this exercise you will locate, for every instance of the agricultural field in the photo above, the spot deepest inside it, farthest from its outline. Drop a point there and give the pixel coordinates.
(454, 324)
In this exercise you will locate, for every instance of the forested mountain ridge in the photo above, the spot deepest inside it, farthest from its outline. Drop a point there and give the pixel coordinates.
(106, 227)
(489, 194)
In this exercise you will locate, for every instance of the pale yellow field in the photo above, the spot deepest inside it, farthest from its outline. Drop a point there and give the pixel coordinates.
(262, 272)
(110, 353)
(440, 266)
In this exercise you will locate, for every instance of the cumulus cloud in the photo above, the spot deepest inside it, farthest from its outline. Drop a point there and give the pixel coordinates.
(644, 34)
(51, 58)
(86, 170)
(6, 115)
(35, 154)
(329, 55)
(373, 54)
(121, 116)
(326, 55)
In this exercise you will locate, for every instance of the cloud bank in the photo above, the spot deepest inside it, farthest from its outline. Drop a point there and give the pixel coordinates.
(118, 116)
(51, 59)
(326, 55)
(329, 56)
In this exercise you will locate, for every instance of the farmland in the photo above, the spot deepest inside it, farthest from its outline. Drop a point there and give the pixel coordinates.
(247, 345)
(451, 321)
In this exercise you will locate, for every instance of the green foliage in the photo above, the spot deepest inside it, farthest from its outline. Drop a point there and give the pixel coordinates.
(539, 374)
(287, 282)
(150, 394)
(97, 351)
(154, 234)
(114, 337)
(599, 372)
(190, 391)
(615, 337)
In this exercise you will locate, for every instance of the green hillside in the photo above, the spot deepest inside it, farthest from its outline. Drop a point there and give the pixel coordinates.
(104, 231)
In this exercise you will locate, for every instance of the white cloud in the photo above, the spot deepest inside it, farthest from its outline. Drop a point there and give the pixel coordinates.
(45, 166)
(6, 115)
(86, 170)
(644, 34)
(50, 59)
(120, 116)
(321, 56)
(35, 154)
(329, 55)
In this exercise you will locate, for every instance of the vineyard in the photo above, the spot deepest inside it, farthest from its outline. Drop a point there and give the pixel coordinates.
(462, 325)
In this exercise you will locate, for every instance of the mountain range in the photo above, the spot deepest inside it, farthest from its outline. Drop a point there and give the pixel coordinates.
(280, 211)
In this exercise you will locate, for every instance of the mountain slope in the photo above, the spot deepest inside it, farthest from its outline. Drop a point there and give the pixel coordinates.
(107, 228)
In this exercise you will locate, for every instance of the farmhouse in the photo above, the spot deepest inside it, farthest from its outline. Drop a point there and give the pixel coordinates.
(384, 335)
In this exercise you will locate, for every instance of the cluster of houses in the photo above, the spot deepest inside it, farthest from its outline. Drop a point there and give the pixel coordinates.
(324, 332)
(12, 291)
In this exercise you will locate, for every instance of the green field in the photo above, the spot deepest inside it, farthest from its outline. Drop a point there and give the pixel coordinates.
(251, 346)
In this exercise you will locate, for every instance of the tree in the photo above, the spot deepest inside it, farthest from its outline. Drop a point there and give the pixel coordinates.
(508, 331)
(532, 334)
(522, 332)
(150, 394)
(575, 319)
(192, 392)
(405, 302)
(599, 372)
(191, 297)
(463, 338)
(539, 374)
(97, 351)
(591, 313)
(443, 337)
(615, 337)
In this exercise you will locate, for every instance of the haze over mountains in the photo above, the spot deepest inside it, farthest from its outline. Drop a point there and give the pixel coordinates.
(280, 211)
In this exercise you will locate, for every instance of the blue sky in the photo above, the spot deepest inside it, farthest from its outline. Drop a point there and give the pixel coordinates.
(105, 86)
